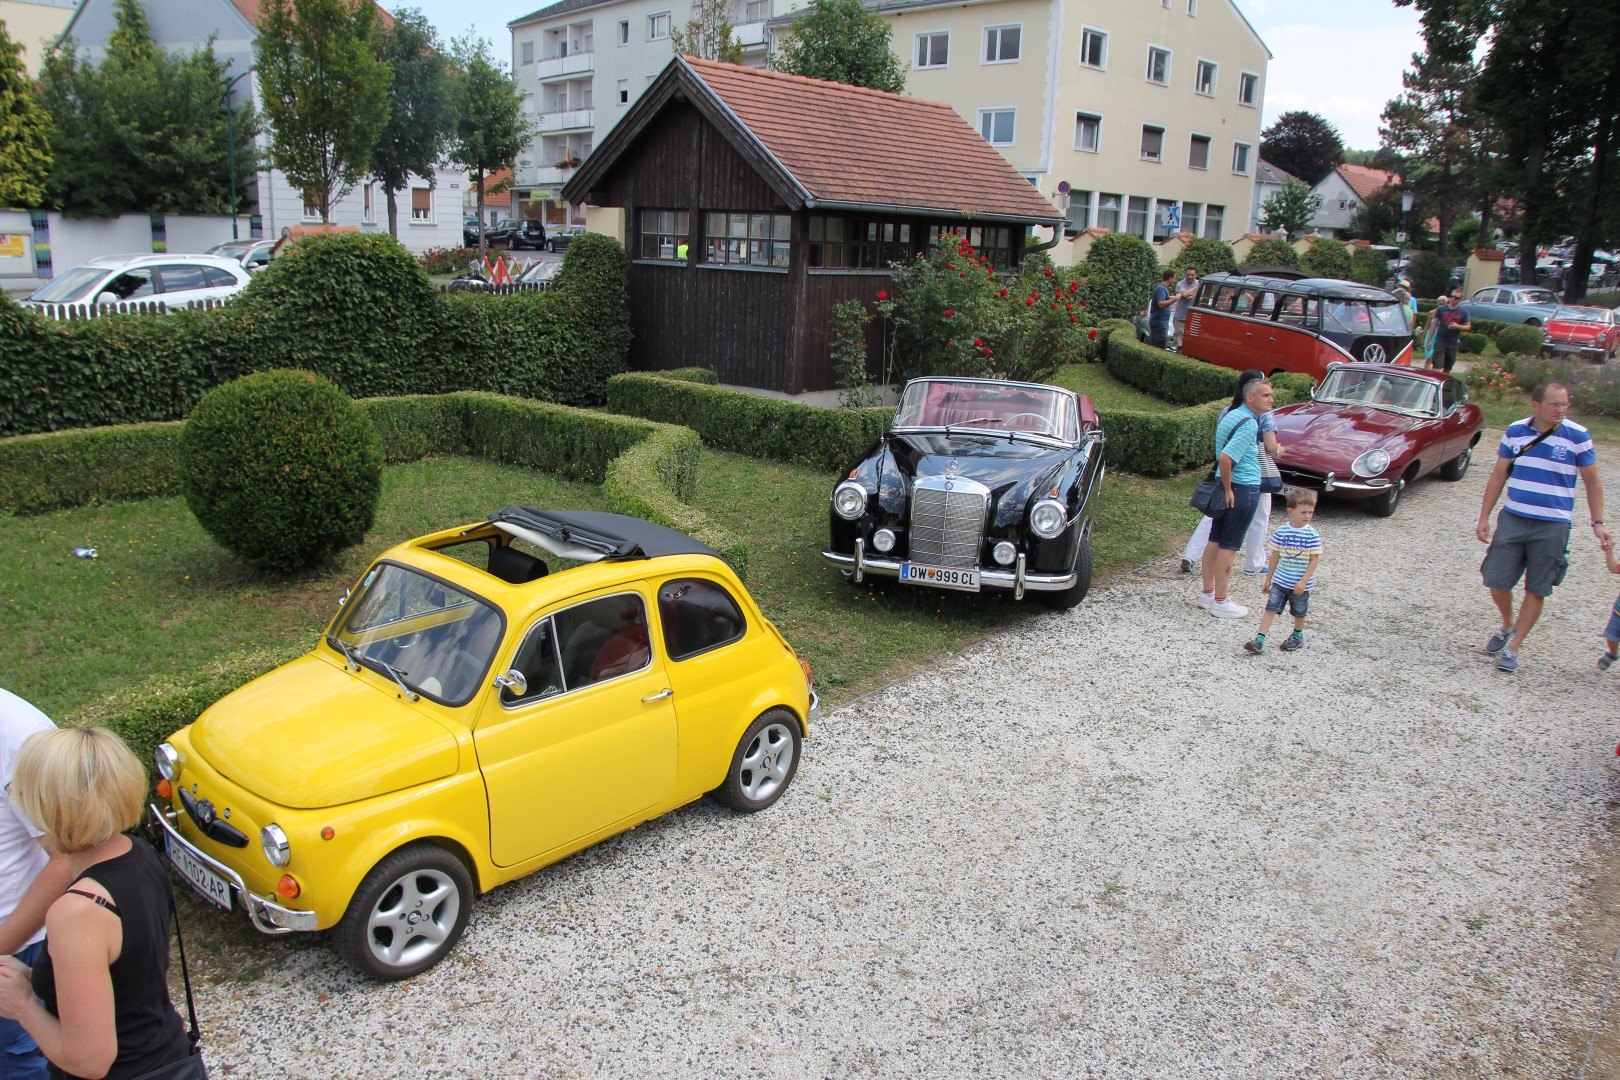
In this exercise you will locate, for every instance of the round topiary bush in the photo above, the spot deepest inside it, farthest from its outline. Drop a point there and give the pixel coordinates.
(281, 468)
(1326, 258)
(1208, 254)
(1520, 340)
(1272, 251)
(1472, 342)
(1118, 276)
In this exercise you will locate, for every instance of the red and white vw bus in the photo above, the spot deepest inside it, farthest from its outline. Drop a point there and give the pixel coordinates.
(1301, 325)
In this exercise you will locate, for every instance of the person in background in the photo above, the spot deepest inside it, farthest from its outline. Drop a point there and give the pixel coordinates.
(1186, 296)
(30, 879)
(1254, 541)
(1159, 311)
(1611, 633)
(1237, 441)
(1450, 322)
(97, 999)
(1296, 548)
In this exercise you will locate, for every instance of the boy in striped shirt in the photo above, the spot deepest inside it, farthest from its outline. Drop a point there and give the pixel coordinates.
(1295, 549)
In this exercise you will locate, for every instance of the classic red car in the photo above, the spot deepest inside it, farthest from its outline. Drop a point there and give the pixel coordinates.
(1371, 429)
(1588, 332)
(1276, 324)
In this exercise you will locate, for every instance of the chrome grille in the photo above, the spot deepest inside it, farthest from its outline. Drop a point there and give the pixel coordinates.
(947, 525)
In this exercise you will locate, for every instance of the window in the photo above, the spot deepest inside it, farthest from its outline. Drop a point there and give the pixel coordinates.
(658, 26)
(312, 212)
(1158, 65)
(1166, 219)
(1248, 88)
(756, 10)
(1093, 47)
(1204, 80)
(1189, 216)
(1212, 220)
(994, 242)
(221, 279)
(1136, 216)
(589, 643)
(1192, 7)
(1108, 212)
(1079, 211)
(996, 125)
(180, 277)
(624, 91)
(1240, 158)
(1001, 44)
(421, 204)
(697, 616)
(1152, 143)
(624, 31)
(1198, 152)
(738, 239)
(1087, 132)
(858, 243)
(933, 50)
(528, 52)
(368, 210)
(664, 235)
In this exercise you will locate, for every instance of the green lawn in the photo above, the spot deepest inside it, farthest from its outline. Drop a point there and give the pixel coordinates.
(1105, 391)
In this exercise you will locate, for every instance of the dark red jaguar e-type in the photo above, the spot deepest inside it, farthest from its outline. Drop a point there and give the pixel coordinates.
(1371, 429)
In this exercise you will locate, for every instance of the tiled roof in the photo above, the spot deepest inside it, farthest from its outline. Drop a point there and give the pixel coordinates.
(849, 144)
(1267, 173)
(498, 180)
(1364, 181)
(553, 10)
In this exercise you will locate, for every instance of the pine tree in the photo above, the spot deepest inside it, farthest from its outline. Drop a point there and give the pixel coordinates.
(25, 148)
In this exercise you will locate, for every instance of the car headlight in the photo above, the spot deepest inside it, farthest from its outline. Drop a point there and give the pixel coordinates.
(883, 539)
(1004, 552)
(1372, 463)
(168, 761)
(275, 845)
(1047, 519)
(849, 499)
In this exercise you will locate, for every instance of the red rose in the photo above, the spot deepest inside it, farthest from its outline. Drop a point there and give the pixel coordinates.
(1003, 292)
(1092, 335)
(1054, 307)
(1074, 286)
(987, 350)
(1084, 303)
(1074, 318)
(962, 275)
(978, 341)
(949, 312)
(1047, 271)
(949, 342)
(1068, 307)
(1030, 302)
(950, 266)
(883, 294)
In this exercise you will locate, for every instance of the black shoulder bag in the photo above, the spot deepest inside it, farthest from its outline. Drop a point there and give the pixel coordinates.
(1209, 498)
(1561, 567)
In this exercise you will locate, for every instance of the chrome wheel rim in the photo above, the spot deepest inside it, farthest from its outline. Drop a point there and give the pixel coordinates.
(766, 763)
(414, 918)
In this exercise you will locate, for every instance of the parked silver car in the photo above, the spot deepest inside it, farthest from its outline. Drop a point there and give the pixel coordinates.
(1530, 305)
(177, 279)
(254, 255)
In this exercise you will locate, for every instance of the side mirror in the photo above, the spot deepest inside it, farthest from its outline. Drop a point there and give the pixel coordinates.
(106, 298)
(344, 599)
(514, 680)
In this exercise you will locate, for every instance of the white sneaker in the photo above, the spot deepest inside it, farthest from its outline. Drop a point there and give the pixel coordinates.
(1226, 609)
(1205, 599)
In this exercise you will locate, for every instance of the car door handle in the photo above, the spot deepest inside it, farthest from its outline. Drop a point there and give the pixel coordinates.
(661, 695)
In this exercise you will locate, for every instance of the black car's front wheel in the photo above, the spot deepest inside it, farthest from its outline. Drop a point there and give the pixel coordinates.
(1457, 467)
(1384, 505)
(1068, 598)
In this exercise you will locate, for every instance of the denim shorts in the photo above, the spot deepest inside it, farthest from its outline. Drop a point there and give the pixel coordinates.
(1612, 633)
(1528, 548)
(1227, 531)
(1298, 603)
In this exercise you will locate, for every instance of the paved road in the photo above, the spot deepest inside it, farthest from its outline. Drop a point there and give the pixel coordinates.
(1106, 844)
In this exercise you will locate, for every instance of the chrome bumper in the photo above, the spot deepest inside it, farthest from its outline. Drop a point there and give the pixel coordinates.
(813, 715)
(268, 916)
(1588, 352)
(1015, 579)
(1332, 483)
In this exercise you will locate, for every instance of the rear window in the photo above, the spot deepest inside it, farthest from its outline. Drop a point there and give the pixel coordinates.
(217, 278)
(182, 278)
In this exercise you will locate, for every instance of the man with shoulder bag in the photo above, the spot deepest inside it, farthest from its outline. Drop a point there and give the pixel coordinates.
(1237, 465)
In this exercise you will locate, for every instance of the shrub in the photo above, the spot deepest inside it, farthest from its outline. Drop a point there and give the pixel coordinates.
(1430, 274)
(1519, 339)
(590, 291)
(59, 469)
(749, 424)
(440, 261)
(1326, 258)
(1272, 251)
(1118, 276)
(1184, 381)
(1473, 342)
(1490, 380)
(855, 389)
(1369, 267)
(693, 374)
(1208, 254)
(1107, 329)
(281, 468)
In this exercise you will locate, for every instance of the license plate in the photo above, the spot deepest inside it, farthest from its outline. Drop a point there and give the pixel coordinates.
(940, 577)
(213, 888)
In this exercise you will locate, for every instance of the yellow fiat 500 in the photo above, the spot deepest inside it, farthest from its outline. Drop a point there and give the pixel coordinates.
(470, 717)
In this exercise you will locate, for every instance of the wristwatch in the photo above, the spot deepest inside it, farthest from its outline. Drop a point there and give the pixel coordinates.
(1597, 521)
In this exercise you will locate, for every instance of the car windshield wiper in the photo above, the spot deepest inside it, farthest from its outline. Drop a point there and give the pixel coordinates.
(399, 677)
(348, 656)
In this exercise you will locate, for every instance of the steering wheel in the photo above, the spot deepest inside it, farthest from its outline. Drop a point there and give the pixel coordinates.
(1043, 421)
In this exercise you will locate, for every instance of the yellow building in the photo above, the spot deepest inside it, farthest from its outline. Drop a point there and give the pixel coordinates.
(35, 25)
(1140, 116)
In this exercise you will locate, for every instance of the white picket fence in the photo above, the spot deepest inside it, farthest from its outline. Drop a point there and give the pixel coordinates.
(76, 312)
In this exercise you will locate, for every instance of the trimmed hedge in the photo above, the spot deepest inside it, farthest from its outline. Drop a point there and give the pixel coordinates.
(1473, 342)
(1525, 340)
(1183, 381)
(746, 423)
(59, 469)
(693, 374)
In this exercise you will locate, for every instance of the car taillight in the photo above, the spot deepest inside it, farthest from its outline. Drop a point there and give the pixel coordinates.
(806, 665)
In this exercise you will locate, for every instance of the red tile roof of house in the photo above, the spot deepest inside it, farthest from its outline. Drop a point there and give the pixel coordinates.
(499, 180)
(1365, 181)
(855, 146)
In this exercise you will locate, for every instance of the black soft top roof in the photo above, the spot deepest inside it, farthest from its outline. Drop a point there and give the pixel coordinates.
(615, 536)
(1332, 288)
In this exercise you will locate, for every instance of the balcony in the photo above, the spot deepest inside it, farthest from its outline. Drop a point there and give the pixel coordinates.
(550, 175)
(558, 66)
(567, 120)
(749, 35)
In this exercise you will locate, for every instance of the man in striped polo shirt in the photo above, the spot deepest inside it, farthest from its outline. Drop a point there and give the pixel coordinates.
(1537, 462)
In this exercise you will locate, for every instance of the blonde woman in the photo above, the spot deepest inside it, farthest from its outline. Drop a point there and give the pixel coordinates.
(97, 1000)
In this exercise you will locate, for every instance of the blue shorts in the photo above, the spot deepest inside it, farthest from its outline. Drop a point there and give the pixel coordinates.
(1612, 633)
(20, 1059)
(1227, 531)
(1298, 603)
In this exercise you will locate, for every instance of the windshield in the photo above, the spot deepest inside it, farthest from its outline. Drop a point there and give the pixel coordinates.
(72, 286)
(991, 406)
(1381, 389)
(437, 639)
(1535, 296)
(1583, 314)
(1365, 317)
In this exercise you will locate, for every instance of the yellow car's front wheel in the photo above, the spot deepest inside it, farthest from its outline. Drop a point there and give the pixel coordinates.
(408, 913)
(766, 759)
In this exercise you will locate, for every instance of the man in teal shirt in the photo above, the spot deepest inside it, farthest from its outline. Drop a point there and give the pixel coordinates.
(1237, 442)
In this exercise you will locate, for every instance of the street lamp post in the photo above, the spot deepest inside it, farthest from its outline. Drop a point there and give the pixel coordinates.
(230, 141)
(1407, 198)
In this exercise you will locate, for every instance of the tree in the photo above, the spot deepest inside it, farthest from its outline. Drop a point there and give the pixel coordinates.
(1327, 258)
(25, 131)
(421, 104)
(490, 129)
(1272, 251)
(1378, 218)
(1304, 144)
(841, 41)
(146, 130)
(708, 34)
(1289, 209)
(325, 89)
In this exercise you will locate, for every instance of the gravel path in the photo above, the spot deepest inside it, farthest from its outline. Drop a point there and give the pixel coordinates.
(1108, 843)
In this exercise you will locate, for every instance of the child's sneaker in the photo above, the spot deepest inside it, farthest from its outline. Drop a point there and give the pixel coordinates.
(1294, 641)
(1255, 646)
(1605, 660)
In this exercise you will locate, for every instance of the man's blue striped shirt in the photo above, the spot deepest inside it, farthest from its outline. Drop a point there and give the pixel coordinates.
(1541, 484)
